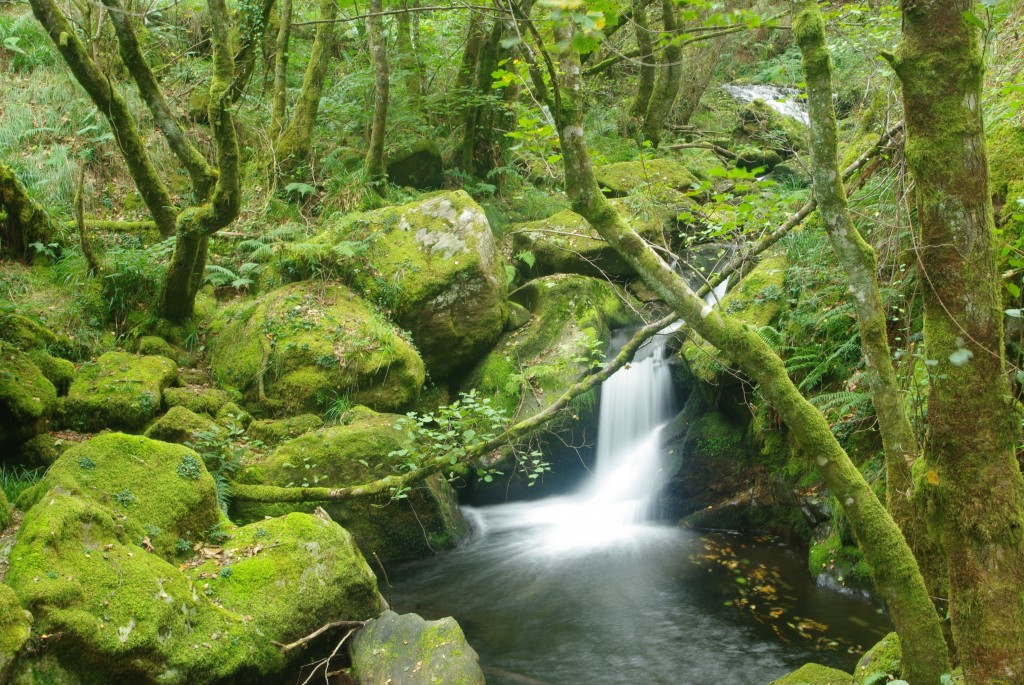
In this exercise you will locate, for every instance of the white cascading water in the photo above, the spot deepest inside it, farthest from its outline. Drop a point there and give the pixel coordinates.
(783, 100)
(616, 503)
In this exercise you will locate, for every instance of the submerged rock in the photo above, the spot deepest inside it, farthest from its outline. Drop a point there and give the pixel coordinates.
(298, 348)
(425, 521)
(98, 561)
(409, 650)
(118, 390)
(432, 265)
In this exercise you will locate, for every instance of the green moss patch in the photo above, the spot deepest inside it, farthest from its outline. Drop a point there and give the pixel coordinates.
(298, 348)
(27, 398)
(196, 398)
(180, 425)
(619, 180)
(15, 628)
(274, 431)
(815, 674)
(118, 390)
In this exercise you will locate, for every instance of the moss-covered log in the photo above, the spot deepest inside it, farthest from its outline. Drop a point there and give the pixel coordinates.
(973, 480)
(857, 259)
(896, 572)
(293, 146)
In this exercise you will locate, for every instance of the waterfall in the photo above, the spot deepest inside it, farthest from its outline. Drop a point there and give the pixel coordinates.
(786, 101)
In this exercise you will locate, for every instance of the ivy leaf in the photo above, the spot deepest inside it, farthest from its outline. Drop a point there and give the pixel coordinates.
(973, 20)
(961, 356)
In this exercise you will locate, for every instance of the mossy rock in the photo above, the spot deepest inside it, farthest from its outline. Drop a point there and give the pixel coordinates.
(42, 449)
(1005, 152)
(295, 348)
(434, 266)
(119, 390)
(155, 345)
(275, 431)
(180, 425)
(26, 334)
(566, 243)
(27, 398)
(751, 158)
(815, 674)
(763, 126)
(58, 371)
(884, 657)
(98, 561)
(791, 175)
(419, 166)
(834, 563)
(409, 650)
(196, 398)
(6, 513)
(428, 520)
(622, 178)
(571, 318)
(233, 415)
(45, 669)
(15, 627)
(712, 461)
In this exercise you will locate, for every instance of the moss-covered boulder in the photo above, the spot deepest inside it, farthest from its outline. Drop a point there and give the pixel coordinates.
(26, 334)
(815, 674)
(275, 431)
(884, 657)
(27, 398)
(58, 371)
(233, 415)
(297, 348)
(838, 563)
(15, 628)
(712, 461)
(409, 650)
(765, 127)
(427, 520)
(99, 562)
(119, 390)
(197, 398)
(419, 166)
(621, 179)
(433, 265)
(6, 514)
(155, 345)
(761, 160)
(180, 425)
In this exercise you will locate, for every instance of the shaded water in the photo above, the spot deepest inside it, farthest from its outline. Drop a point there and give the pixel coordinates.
(588, 588)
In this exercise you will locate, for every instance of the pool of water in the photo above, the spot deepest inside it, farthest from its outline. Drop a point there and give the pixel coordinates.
(652, 603)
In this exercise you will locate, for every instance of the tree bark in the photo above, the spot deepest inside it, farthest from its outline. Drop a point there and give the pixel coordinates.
(373, 167)
(294, 145)
(895, 570)
(195, 225)
(857, 259)
(113, 106)
(202, 176)
(645, 84)
(23, 221)
(666, 87)
(973, 482)
(251, 26)
(280, 89)
(407, 54)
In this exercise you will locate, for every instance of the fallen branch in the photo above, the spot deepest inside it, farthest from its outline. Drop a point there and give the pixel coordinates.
(317, 633)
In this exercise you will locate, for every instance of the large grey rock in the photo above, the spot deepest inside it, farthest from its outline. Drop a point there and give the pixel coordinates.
(409, 650)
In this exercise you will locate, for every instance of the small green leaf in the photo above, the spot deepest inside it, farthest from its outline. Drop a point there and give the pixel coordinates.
(961, 357)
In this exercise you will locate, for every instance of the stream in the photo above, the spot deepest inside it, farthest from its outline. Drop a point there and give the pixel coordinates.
(591, 588)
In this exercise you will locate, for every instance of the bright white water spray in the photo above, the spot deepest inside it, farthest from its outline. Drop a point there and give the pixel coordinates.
(783, 100)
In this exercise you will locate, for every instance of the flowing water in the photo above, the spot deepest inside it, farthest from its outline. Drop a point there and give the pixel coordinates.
(783, 100)
(590, 589)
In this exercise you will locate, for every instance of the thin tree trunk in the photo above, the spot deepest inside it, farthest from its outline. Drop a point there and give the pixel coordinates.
(475, 116)
(196, 224)
(280, 90)
(373, 167)
(973, 481)
(113, 106)
(858, 261)
(407, 54)
(645, 84)
(666, 87)
(202, 176)
(895, 570)
(250, 34)
(294, 145)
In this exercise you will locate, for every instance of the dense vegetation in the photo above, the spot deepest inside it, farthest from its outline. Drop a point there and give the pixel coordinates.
(280, 279)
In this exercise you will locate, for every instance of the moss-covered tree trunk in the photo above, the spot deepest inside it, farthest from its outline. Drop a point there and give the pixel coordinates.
(253, 20)
(279, 91)
(645, 82)
(23, 221)
(373, 167)
(973, 480)
(112, 105)
(195, 225)
(202, 176)
(407, 61)
(895, 570)
(666, 87)
(857, 259)
(475, 131)
(294, 144)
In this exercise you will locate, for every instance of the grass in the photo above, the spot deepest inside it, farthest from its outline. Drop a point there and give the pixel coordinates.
(15, 479)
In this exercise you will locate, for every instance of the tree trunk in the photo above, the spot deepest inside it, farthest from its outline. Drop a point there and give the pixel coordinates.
(196, 224)
(373, 167)
(407, 54)
(475, 119)
(110, 102)
(857, 259)
(294, 144)
(645, 85)
(279, 96)
(666, 88)
(973, 481)
(252, 23)
(23, 221)
(202, 176)
(895, 570)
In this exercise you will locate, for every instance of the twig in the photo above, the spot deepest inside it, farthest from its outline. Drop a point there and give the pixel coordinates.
(317, 633)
